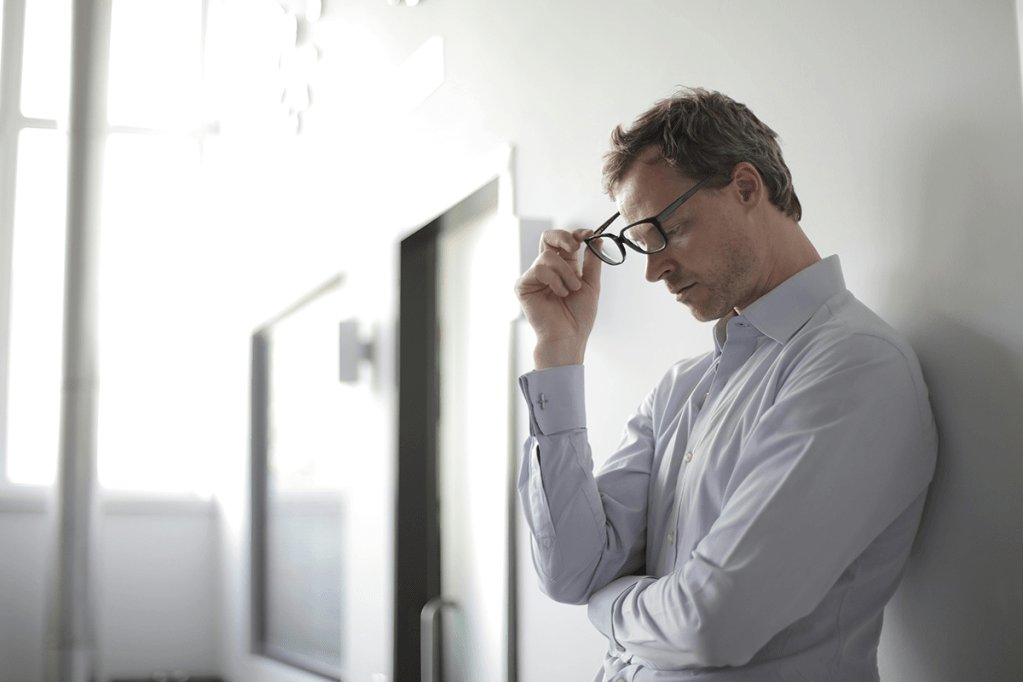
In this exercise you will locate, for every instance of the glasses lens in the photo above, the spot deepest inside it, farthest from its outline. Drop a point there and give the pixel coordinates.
(646, 236)
(607, 249)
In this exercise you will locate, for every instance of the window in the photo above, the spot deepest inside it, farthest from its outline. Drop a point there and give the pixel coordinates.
(34, 73)
(303, 430)
(33, 384)
(148, 254)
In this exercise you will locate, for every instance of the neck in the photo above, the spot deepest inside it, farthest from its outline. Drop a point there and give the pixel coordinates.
(788, 251)
(784, 250)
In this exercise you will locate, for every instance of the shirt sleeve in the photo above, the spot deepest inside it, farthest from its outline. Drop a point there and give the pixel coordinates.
(845, 449)
(581, 538)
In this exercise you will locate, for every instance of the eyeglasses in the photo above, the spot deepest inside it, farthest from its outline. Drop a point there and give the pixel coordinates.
(646, 236)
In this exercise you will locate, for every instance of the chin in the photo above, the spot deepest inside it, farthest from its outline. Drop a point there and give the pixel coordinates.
(704, 314)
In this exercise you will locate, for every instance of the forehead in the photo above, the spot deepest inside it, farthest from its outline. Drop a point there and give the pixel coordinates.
(647, 188)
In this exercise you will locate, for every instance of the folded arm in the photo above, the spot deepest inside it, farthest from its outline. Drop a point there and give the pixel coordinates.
(827, 469)
(581, 538)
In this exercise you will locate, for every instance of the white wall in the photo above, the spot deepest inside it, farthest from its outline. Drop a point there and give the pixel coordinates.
(157, 588)
(23, 570)
(156, 585)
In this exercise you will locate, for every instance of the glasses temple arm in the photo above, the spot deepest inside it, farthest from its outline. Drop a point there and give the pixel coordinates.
(603, 227)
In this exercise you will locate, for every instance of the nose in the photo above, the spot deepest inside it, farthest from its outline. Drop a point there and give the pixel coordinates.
(658, 266)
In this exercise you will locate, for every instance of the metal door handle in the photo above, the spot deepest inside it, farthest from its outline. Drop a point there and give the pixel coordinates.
(429, 656)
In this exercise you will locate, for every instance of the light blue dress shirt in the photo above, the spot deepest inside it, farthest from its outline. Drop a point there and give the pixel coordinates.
(759, 511)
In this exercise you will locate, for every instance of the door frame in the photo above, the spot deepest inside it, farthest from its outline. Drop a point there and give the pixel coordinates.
(417, 549)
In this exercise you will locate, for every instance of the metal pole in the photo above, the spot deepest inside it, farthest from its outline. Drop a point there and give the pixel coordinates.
(72, 652)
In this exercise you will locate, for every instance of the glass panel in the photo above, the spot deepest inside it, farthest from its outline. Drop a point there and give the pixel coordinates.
(37, 296)
(46, 69)
(154, 425)
(155, 63)
(307, 484)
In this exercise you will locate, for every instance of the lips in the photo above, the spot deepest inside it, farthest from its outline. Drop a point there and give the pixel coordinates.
(681, 292)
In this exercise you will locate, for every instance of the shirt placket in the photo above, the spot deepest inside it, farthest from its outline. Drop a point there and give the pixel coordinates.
(736, 351)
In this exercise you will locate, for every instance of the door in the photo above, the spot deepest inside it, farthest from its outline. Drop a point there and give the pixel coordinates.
(461, 456)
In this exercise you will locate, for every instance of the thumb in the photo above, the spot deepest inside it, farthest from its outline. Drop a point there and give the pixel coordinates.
(591, 268)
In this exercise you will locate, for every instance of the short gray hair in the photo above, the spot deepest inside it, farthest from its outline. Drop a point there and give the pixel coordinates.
(701, 133)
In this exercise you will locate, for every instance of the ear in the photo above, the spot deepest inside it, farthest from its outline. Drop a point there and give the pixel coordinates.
(749, 186)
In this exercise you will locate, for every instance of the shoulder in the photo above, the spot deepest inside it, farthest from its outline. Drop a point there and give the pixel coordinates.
(845, 338)
(843, 323)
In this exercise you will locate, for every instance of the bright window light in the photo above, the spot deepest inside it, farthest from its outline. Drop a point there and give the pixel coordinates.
(47, 59)
(37, 281)
(154, 426)
(155, 63)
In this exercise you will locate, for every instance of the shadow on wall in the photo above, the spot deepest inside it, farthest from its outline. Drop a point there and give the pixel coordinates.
(957, 615)
(959, 612)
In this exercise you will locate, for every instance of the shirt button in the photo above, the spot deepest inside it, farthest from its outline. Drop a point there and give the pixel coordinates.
(671, 538)
(689, 457)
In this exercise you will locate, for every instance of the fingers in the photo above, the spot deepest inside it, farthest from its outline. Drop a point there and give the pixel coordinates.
(557, 276)
(591, 269)
(557, 265)
(591, 263)
(565, 243)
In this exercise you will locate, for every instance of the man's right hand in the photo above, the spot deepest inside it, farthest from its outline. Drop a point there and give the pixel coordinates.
(560, 299)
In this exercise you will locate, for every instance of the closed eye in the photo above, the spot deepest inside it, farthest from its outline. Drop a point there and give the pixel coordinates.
(680, 226)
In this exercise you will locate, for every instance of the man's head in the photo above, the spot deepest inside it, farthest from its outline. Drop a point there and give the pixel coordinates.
(737, 237)
(699, 134)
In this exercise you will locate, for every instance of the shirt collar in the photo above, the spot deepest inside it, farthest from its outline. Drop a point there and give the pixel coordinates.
(781, 312)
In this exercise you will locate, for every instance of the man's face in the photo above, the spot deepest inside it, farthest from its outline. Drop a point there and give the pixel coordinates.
(711, 262)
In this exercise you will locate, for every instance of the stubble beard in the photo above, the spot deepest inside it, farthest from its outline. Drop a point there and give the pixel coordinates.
(732, 286)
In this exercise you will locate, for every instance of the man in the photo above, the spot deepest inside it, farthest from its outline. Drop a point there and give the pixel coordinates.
(760, 508)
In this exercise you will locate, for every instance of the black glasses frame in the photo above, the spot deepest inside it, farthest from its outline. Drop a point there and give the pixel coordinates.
(622, 241)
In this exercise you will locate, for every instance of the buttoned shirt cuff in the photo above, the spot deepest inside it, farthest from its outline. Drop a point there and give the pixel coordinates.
(555, 399)
(600, 608)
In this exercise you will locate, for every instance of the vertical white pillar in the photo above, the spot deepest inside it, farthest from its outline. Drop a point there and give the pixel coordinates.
(71, 654)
